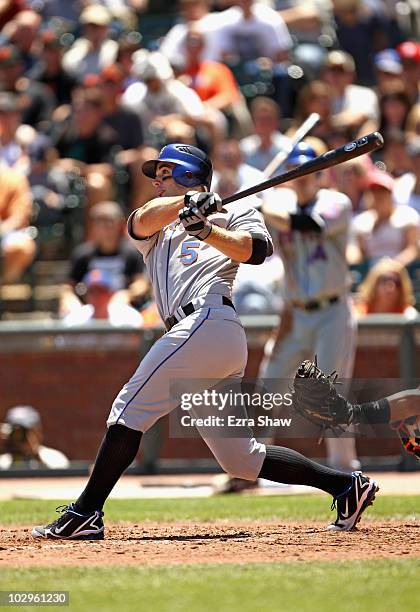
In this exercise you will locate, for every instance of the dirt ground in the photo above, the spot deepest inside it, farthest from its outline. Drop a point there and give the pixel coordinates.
(217, 542)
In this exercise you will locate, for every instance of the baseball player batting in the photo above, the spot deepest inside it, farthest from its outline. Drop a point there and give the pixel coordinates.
(313, 227)
(192, 249)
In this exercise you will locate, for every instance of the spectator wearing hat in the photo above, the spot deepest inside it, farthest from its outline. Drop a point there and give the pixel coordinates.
(37, 102)
(108, 250)
(21, 437)
(17, 245)
(409, 52)
(99, 303)
(385, 230)
(352, 105)
(49, 69)
(388, 69)
(407, 187)
(94, 50)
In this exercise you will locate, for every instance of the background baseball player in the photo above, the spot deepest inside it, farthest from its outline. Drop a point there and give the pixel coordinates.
(313, 226)
(192, 249)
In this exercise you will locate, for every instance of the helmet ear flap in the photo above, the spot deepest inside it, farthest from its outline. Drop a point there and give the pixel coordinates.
(186, 178)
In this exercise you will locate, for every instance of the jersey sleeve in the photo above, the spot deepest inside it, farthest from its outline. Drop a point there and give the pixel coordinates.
(252, 221)
(335, 211)
(143, 245)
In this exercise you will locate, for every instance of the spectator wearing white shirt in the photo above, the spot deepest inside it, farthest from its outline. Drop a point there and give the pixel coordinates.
(194, 13)
(385, 230)
(99, 304)
(94, 50)
(407, 187)
(254, 31)
(21, 438)
(163, 102)
(259, 149)
(352, 105)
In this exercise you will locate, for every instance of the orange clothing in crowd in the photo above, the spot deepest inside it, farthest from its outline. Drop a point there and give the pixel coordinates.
(15, 200)
(212, 79)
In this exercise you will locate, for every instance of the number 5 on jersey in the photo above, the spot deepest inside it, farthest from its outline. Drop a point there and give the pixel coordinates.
(189, 251)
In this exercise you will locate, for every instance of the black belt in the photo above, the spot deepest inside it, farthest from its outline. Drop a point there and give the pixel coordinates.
(316, 304)
(189, 309)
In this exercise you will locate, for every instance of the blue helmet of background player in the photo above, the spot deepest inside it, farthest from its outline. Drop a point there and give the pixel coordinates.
(192, 166)
(300, 154)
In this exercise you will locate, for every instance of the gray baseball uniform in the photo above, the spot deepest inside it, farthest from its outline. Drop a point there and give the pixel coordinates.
(209, 342)
(317, 288)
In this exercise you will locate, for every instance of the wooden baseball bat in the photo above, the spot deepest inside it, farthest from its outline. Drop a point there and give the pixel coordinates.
(279, 159)
(366, 144)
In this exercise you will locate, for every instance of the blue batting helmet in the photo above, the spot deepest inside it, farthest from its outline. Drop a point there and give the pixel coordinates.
(193, 167)
(300, 154)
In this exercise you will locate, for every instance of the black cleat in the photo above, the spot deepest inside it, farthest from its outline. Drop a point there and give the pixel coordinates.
(73, 526)
(353, 502)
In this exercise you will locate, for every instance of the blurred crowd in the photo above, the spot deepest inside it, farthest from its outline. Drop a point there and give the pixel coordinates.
(89, 90)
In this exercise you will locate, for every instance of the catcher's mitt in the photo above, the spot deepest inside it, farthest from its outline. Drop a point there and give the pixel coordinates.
(409, 433)
(316, 399)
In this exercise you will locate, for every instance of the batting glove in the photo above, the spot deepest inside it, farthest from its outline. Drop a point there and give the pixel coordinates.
(195, 223)
(206, 202)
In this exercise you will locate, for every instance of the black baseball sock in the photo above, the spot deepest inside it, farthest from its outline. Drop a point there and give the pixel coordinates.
(117, 451)
(290, 467)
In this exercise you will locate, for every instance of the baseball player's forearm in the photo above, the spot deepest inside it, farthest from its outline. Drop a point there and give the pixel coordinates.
(155, 215)
(279, 219)
(397, 407)
(235, 245)
(285, 221)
